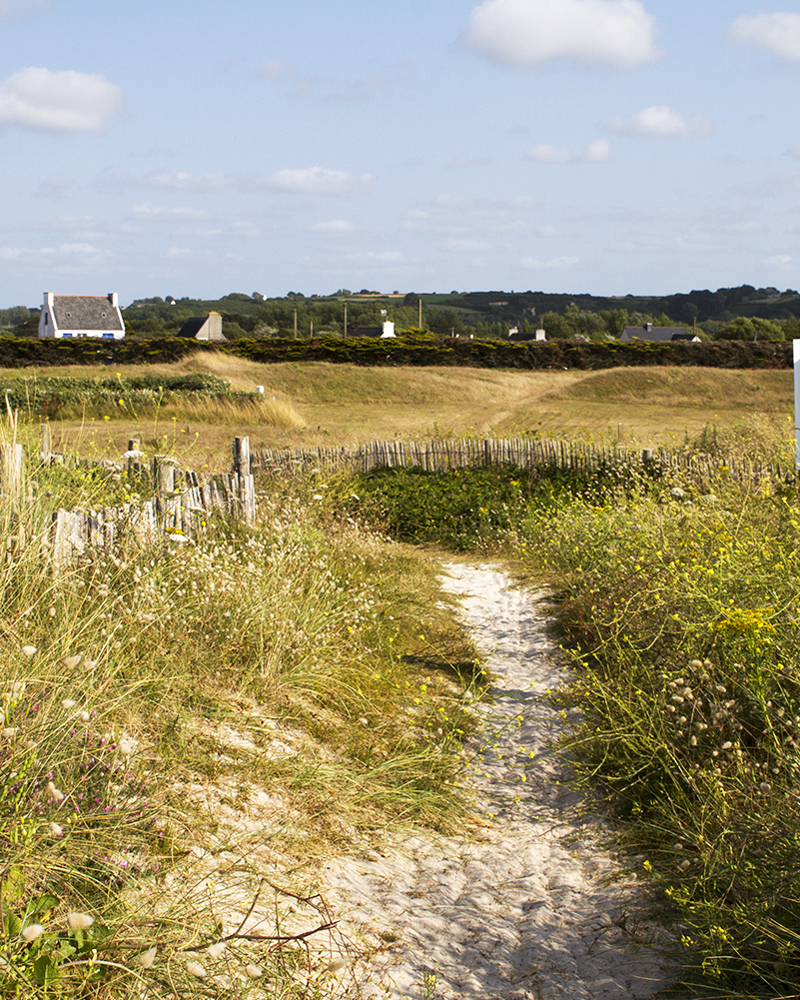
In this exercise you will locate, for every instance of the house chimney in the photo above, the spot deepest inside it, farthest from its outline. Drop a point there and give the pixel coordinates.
(648, 327)
(112, 298)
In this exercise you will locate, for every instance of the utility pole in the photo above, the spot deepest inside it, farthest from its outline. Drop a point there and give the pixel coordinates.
(295, 324)
(419, 324)
(345, 319)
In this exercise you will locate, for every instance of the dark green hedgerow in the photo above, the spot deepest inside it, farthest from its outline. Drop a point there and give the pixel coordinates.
(410, 350)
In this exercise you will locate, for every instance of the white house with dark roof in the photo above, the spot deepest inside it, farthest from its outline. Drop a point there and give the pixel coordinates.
(655, 333)
(81, 316)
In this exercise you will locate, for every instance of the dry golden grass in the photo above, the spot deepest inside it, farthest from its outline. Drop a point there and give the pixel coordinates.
(321, 403)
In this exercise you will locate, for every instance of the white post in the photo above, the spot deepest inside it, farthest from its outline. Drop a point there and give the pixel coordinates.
(796, 345)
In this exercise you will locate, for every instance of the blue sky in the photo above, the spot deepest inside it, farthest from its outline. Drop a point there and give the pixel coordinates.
(604, 146)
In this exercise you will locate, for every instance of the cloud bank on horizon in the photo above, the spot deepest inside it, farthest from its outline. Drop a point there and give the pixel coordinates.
(601, 145)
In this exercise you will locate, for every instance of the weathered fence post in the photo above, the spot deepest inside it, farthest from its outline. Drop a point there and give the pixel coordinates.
(13, 462)
(245, 481)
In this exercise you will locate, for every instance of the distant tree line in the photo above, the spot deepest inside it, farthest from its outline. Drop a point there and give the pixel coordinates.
(741, 313)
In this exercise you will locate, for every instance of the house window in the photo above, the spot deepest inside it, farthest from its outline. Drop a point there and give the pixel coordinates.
(46, 318)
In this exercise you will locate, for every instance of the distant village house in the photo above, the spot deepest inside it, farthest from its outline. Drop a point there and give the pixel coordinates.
(203, 327)
(81, 316)
(379, 332)
(653, 333)
(514, 334)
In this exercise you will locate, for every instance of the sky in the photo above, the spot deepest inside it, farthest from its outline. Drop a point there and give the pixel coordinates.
(601, 146)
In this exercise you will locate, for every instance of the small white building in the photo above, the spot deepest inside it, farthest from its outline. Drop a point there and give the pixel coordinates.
(81, 316)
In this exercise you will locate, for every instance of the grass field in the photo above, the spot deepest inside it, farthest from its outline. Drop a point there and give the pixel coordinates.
(306, 404)
(183, 724)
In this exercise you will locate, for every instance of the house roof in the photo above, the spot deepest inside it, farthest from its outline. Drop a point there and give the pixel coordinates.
(650, 332)
(193, 326)
(86, 312)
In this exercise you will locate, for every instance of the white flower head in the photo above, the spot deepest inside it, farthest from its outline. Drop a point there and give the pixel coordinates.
(147, 958)
(78, 921)
(70, 662)
(254, 971)
(56, 830)
(215, 950)
(31, 932)
(84, 716)
(57, 794)
(68, 703)
(196, 969)
(29, 651)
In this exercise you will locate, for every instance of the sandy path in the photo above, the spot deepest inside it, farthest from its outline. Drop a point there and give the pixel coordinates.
(522, 909)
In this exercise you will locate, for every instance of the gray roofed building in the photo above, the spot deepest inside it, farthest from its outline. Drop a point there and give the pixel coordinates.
(653, 333)
(81, 316)
(203, 327)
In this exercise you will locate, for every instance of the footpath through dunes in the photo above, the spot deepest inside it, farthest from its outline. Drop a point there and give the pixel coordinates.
(531, 905)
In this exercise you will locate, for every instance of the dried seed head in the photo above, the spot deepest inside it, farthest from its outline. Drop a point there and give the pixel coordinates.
(68, 703)
(78, 921)
(29, 651)
(215, 950)
(57, 794)
(196, 969)
(31, 932)
(147, 958)
(765, 787)
(70, 662)
(254, 971)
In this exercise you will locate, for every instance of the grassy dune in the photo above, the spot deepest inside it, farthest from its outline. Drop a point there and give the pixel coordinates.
(307, 404)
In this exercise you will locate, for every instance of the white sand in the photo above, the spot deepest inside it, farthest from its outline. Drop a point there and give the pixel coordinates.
(523, 909)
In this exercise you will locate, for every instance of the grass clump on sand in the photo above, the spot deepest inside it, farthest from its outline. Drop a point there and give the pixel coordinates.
(186, 726)
(680, 607)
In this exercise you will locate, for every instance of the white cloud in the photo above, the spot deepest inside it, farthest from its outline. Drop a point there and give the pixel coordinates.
(555, 263)
(615, 33)
(596, 152)
(467, 246)
(275, 70)
(65, 101)
(148, 211)
(318, 180)
(778, 32)
(468, 161)
(660, 121)
(781, 261)
(16, 8)
(469, 216)
(78, 248)
(377, 257)
(332, 226)
(182, 181)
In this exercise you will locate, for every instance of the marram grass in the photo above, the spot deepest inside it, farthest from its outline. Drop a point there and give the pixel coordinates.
(185, 728)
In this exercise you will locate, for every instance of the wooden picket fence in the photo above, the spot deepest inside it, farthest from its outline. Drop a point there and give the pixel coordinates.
(177, 510)
(181, 503)
(444, 454)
